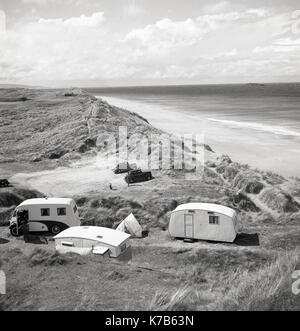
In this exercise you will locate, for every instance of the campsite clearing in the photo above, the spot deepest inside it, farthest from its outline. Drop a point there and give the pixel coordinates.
(47, 281)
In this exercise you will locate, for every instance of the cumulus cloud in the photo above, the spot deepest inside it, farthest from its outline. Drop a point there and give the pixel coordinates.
(168, 33)
(287, 42)
(54, 49)
(222, 42)
(93, 21)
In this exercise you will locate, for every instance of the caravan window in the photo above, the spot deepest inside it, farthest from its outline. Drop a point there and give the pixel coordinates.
(45, 212)
(75, 209)
(214, 220)
(61, 212)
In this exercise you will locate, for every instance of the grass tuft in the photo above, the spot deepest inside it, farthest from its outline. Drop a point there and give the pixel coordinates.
(42, 257)
(165, 301)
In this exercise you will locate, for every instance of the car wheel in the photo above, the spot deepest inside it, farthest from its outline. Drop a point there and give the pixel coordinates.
(55, 229)
(14, 231)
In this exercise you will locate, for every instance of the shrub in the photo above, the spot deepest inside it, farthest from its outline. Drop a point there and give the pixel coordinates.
(231, 171)
(8, 199)
(5, 215)
(248, 181)
(81, 201)
(16, 196)
(95, 203)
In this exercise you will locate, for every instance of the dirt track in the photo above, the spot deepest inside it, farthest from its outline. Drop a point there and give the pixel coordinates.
(79, 179)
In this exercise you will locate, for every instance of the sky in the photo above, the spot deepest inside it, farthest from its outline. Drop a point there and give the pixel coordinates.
(148, 42)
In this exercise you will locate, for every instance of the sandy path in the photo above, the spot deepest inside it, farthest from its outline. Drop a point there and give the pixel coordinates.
(80, 178)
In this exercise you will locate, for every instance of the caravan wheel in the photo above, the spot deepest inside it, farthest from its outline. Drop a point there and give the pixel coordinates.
(55, 229)
(14, 232)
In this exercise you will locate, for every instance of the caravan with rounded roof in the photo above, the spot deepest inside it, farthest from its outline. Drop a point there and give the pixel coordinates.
(44, 215)
(98, 240)
(204, 221)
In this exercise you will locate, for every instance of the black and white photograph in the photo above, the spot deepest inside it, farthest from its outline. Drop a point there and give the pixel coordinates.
(149, 158)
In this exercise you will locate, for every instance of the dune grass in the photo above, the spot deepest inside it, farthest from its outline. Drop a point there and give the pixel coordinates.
(162, 300)
(269, 288)
(47, 258)
(266, 289)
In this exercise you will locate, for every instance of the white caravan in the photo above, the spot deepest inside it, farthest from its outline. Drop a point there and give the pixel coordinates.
(204, 221)
(98, 240)
(44, 215)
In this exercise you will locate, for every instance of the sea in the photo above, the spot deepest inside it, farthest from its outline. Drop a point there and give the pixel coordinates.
(255, 124)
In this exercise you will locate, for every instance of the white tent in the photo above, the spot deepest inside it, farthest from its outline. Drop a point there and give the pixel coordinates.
(131, 225)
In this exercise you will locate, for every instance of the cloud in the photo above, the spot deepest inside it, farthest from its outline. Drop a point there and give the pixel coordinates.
(287, 42)
(222, 42)
(273, 49)
(93, 21)
(55, 49)
(233, 52)
(168, 33)
(132, 9)
(2, 21)
(283, 45)
(35, 2)
(216, 8)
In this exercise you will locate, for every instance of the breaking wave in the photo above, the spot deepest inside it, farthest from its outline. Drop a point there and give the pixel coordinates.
(279, 130)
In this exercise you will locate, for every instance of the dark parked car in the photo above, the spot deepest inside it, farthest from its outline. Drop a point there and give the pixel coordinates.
(136, 176)
(4, 183)
(122, 168)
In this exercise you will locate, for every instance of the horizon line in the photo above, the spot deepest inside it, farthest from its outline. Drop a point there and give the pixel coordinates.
(15, 85)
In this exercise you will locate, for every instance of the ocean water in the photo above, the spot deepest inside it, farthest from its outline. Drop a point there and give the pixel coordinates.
(257, 124)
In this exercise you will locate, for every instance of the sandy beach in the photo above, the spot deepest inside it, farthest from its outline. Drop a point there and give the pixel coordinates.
(260, 130)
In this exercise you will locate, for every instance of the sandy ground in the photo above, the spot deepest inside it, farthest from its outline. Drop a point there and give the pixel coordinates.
(80, 178)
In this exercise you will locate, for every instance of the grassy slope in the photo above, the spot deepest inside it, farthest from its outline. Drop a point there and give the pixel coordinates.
(51, 125)
(203, 273)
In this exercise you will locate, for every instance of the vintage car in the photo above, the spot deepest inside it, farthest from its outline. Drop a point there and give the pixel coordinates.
(136, 176)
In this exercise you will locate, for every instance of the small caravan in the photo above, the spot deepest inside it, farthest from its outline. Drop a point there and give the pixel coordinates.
(44, 215)
(98, 240)
(204, 221)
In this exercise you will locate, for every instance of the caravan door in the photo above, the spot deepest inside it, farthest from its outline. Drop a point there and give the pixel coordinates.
(189, 226)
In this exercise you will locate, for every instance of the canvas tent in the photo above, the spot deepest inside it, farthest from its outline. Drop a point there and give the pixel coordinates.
(131, 225)
(204, 221)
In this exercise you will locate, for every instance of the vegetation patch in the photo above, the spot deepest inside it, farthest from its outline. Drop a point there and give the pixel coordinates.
(278, 200)
(46, 258)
